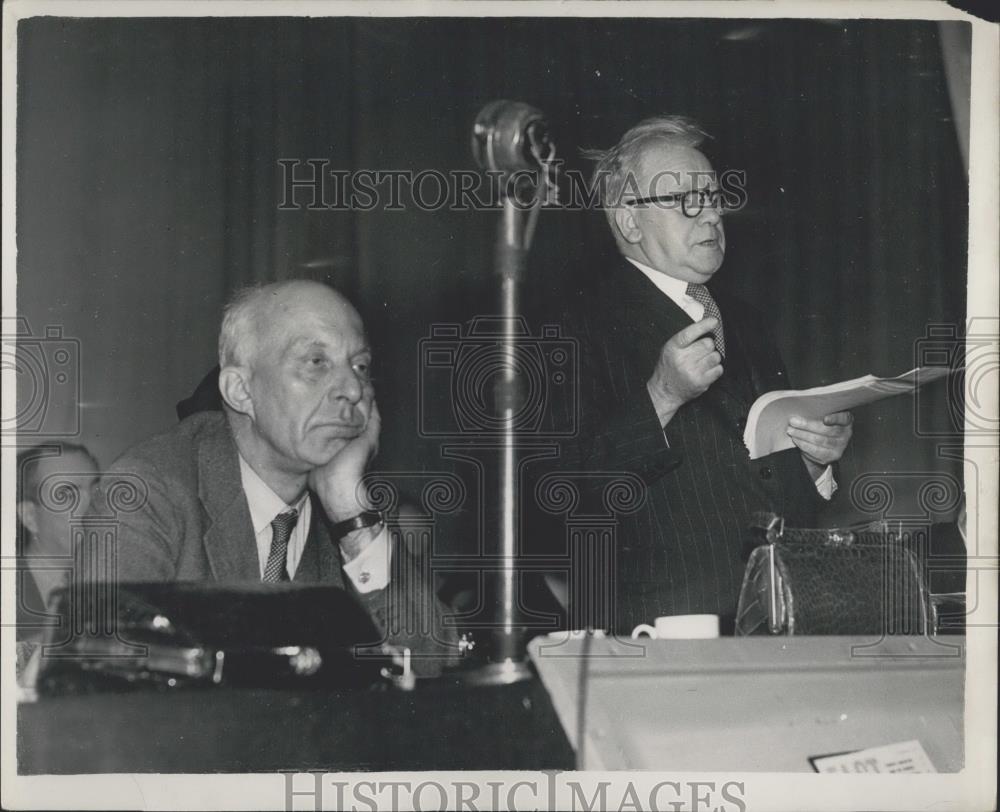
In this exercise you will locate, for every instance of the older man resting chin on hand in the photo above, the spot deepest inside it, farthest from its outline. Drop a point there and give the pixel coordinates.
(270, 489)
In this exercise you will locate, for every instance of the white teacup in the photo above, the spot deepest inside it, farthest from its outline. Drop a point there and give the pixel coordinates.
(680, 627)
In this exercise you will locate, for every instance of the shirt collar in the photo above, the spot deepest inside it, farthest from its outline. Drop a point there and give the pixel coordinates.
(676, 289)
(264, 503)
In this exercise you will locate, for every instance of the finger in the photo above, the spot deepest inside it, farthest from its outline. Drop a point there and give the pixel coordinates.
(713, 374)
(710, 363)
(823, 450)
(815, 426)
(693, 332)
(374, 419)
(697, 352)
(713, 359)
(373, 430)
(706, 344)
(815, 437)
(818, 454)
(839, 419)
(709, 369)
(833, 436)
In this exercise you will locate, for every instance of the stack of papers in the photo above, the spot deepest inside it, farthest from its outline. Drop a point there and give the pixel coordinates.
(768, 418)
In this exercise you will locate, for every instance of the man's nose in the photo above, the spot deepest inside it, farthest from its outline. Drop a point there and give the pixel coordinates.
(710, 215)
(347, 386)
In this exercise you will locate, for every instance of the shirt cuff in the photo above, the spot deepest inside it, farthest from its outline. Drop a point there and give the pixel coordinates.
(826, 484)
(369, 570)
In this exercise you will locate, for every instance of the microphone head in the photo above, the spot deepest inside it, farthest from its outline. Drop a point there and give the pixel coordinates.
(510, 137)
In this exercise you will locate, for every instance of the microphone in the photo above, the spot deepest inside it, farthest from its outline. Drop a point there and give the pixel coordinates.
(513, 138)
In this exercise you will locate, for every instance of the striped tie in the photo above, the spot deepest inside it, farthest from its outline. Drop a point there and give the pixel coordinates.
(700, 294)
(276, 569)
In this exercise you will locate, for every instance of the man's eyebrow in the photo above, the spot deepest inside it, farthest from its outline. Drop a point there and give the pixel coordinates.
(299, 344)
(306, 344)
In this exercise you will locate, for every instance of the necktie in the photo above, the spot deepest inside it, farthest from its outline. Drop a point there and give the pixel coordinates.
(276, 569)
(700, 294)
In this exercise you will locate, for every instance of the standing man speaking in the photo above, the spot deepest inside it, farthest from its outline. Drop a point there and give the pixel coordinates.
(670, 369)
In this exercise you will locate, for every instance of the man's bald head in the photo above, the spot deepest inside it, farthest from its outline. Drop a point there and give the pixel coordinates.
(256, 316)
(295, 375)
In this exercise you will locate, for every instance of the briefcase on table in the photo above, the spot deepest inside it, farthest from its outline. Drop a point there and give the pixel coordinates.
(166, 636)
(836, 581)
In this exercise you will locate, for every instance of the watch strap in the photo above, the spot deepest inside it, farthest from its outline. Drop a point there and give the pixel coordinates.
(366, 518)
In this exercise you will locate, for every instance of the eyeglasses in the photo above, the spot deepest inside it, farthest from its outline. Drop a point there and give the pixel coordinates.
(692, 203)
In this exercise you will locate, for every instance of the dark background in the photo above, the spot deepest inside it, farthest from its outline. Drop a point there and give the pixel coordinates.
(148, 189)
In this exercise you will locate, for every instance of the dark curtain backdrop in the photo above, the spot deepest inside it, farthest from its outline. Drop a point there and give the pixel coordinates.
(149, 184)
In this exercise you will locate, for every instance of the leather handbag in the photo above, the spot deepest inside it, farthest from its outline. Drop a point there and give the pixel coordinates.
(841, 581)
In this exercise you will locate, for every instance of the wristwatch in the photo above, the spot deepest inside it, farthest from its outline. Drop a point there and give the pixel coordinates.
(366, 518)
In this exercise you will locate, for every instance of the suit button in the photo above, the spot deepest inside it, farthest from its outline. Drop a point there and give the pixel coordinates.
(765, 472)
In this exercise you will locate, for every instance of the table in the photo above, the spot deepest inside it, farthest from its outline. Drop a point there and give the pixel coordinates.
(753, 703)
(442, 725)
(733, 704)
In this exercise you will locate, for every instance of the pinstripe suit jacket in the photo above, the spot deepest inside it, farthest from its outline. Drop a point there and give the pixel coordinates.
(684, 550)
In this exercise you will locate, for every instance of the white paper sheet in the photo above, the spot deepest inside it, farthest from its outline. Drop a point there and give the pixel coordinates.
(767, 422)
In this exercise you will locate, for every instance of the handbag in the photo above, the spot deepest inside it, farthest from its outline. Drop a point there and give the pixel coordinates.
(845, 581)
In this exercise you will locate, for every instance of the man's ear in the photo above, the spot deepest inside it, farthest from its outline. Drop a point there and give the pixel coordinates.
(234, 386)
(627, 225)
(27, 514)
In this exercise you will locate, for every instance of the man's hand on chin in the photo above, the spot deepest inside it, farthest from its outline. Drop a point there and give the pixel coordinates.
(822, 442)
(338, 483)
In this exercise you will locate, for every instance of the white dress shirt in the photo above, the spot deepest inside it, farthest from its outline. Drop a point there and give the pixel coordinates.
(368, 571)
(676, 291)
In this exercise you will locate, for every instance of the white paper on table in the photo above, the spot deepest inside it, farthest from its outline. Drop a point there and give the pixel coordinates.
(767, 422)
(901, 757)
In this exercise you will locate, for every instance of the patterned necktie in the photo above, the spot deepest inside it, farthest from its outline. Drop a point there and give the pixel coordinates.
(276, 569)
(700, 294)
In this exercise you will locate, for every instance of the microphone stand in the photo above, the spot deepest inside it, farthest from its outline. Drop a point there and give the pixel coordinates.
(511, 260)
(516, 228)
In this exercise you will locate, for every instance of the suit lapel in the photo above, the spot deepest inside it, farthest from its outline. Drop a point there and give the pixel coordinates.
(651, 318)
(745, 353)
(229, 539)
(735, 381)
(320, 561)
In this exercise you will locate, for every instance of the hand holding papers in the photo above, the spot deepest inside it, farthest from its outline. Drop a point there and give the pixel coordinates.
(768, 418)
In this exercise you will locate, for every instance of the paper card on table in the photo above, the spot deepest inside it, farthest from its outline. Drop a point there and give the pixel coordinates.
(767, 422)
(900, 757)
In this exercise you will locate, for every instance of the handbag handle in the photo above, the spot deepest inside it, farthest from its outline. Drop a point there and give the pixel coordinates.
(770, 524)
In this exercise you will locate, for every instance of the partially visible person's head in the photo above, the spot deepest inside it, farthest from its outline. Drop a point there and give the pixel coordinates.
(659, 158)
(52, 488)
(295, 371)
